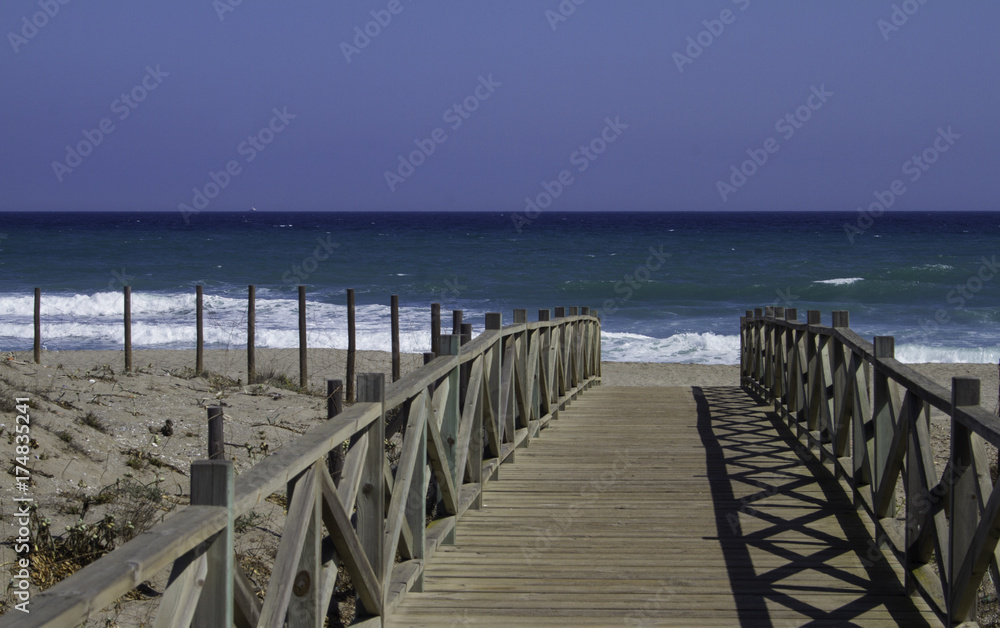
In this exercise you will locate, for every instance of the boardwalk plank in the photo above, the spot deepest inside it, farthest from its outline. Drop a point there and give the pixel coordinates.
(663, 506)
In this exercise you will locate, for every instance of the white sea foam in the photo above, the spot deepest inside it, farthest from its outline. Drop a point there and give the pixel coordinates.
(917, 354)
(840, 281)
(168, 321)
(696, 348)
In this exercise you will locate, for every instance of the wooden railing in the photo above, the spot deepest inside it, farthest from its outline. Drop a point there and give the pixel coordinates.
(870, 417)
(505, 384)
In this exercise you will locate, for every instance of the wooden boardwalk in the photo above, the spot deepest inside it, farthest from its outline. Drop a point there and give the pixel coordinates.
(663, 506)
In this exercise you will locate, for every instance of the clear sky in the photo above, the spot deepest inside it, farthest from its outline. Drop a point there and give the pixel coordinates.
(578, 104)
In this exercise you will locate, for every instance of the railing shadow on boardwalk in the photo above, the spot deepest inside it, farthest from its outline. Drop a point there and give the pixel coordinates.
(747, 447)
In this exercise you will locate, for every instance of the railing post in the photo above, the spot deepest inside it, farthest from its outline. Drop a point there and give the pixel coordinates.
(463, 384)
(212, 485)
(450, 420)
(812, 401)
(416, 498)
(494, 321)
(744, 346)
(792, 374)
(844, 402)
(778, 372)
(883, 412)
(199, 317)
(251, 334)
(919, 546)
(759, 352)
(127, 292)
(371, 496)
(545, 405)
(305, 604)
(964, 506)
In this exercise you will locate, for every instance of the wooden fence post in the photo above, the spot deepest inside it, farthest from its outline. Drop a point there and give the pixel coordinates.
(128, 328)
(199, 307)
(216, 434)
(351, 346)
(334, 406)
(303, 356)
(251, 334)
(38, 325)
(456, 322)
(394, 308)
(371, 496)
(435, 326)
(212, 485)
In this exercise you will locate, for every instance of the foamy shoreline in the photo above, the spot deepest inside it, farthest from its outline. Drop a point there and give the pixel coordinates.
(326, 364)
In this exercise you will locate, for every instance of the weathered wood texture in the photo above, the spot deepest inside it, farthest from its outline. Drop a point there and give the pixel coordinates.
(128, 329)
(251, 334)
(371, 514)
(663, 506)
(199, 308)
(868, 415)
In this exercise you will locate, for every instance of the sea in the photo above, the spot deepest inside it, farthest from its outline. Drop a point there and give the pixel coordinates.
(669, 287)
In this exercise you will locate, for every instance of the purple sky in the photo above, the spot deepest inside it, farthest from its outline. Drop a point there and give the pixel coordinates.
(610, 107)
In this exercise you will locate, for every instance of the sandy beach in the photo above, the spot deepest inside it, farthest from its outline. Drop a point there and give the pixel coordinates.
(96, 428)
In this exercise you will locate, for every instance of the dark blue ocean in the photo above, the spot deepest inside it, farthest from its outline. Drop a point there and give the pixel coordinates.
(670, 286)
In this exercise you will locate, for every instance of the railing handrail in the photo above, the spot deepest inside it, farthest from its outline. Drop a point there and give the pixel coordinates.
(979, 419)
(837, 390)
(99, 584)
